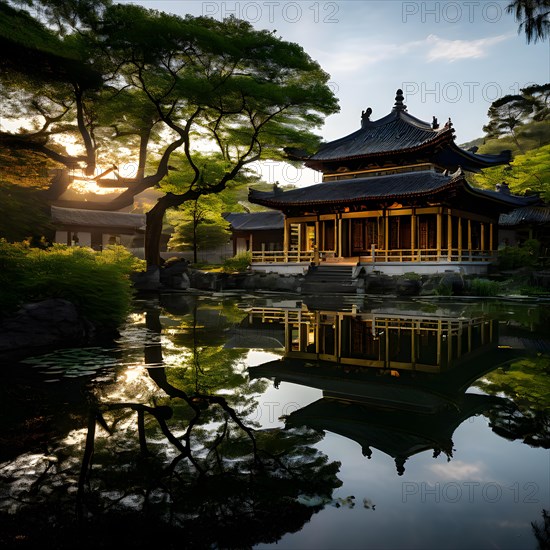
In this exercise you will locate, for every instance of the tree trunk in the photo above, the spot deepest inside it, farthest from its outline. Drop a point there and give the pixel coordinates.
(194, 242)
(153, 232)
(153, 229)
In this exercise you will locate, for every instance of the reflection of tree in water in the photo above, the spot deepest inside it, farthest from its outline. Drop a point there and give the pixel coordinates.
(179, 463)
(541, 530)
(526, 413)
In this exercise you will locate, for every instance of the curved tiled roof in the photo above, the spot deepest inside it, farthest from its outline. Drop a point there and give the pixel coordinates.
(408, 184)
(394, 186)
(397, 131)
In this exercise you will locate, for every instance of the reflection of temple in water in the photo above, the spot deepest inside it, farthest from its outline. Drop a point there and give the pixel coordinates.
(387, 339)
(391, 380)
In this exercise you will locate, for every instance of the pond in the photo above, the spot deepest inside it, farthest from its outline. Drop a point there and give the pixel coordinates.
(249, 421)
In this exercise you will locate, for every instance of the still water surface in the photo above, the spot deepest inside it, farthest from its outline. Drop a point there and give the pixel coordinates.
(254, 421)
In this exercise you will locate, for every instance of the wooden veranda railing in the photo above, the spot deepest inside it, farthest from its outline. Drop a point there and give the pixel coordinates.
(377, 256)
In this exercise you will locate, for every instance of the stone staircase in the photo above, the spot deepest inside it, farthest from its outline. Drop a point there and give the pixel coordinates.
(329, 279)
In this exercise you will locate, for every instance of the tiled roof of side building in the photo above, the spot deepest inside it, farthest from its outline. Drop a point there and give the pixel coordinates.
(526, 214)
(254, 221)
(97, 218)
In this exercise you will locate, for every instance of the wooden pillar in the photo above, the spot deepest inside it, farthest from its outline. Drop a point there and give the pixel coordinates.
(317, 233)
(387, 345)
(439, 338)
(459, 238)
(459, 340)
(470, 238)
(317, 242)
(449, 343)
(449, 237)
(439, 233)
(413, 236)
(413, 345)
(317, 332)
(386, 233)
(491, 238)
(339, 238)
(482, 236)
(286, 239)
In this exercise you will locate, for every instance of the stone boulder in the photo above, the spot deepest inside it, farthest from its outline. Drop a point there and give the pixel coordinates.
(51, 322)
(147, 280)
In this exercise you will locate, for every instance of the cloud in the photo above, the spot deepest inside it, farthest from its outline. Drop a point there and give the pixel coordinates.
(356, 54)
(458, 470)
(453, 50)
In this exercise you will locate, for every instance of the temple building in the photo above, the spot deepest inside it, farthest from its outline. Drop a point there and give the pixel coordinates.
(394, 198)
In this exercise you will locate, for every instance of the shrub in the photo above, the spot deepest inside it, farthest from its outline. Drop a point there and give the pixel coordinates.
(513, 257)
(96, 282)
(444, 289)
(484, 287)
(238, 263)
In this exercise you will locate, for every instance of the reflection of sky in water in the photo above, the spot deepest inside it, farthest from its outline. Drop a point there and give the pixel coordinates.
(275, 403)
(484, 497)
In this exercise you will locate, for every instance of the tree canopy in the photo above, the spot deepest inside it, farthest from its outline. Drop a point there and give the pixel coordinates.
(533, 17)
(520, 123)
(167, 84)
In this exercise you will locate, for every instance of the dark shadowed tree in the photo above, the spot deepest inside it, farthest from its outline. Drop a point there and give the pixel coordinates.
(533, 17)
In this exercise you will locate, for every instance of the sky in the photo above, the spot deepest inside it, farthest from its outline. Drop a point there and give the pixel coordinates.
(451, 59)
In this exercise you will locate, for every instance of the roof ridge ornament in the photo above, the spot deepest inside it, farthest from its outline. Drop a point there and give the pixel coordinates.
(399, 105)
(365, 117)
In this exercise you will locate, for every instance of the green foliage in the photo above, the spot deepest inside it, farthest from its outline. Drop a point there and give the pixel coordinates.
(199, 225)
(529, 172)
(238, 263)
(96, 282)
(519, 123)
(24, 213)
(513, 257)
(484, 287)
